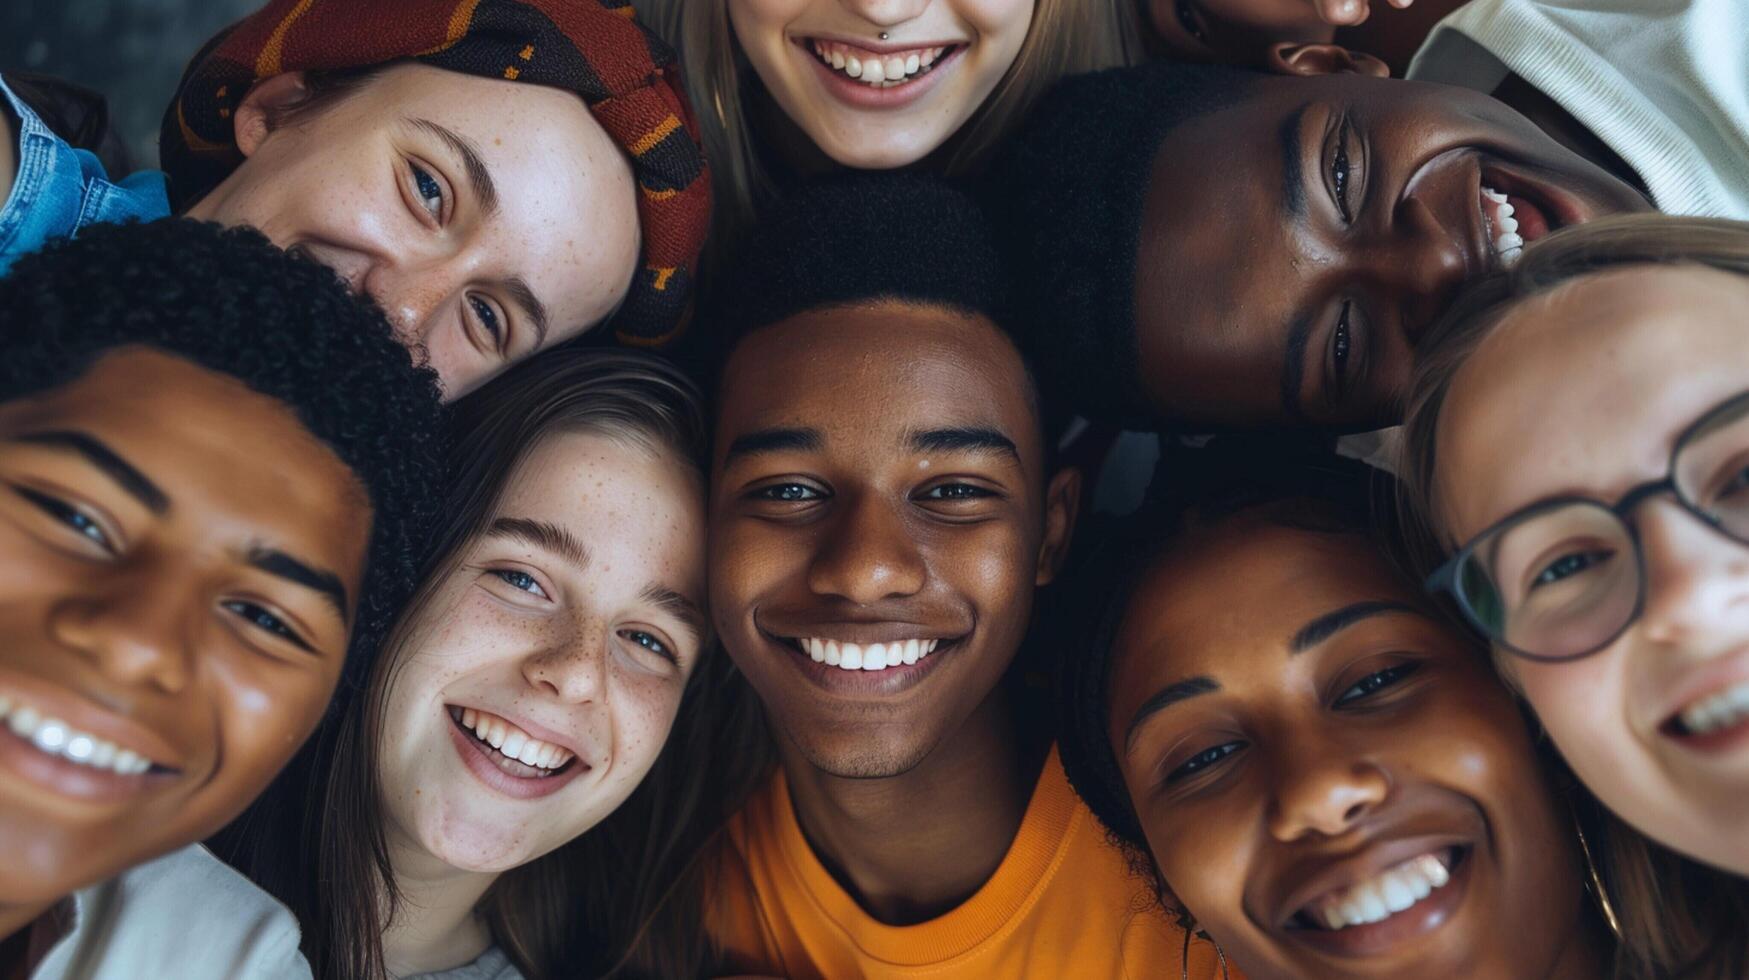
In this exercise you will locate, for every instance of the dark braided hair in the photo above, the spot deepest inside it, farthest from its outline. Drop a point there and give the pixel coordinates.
(1066, 201)
(229, 301)
(1294, 485)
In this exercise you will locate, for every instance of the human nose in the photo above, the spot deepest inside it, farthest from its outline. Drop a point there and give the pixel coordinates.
(1325, 790)
(133, 630)
(886, 13)
(1697, 579)
(410, 299)
(572, 668)
(867, 556)
(1418, 267)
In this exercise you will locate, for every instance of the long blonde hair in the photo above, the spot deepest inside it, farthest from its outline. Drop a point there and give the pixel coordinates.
(1066, 37)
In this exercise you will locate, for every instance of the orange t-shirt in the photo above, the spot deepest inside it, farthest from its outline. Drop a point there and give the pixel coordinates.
(1062, 903)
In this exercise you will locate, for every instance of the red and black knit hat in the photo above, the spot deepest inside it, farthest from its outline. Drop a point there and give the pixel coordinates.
(595, 48)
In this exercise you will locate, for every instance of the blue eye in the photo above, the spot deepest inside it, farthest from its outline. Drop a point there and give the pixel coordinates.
(263, 620)
(488, 319)
(1375, 682)
(649, 642)
(1567, 566)
(788, 492)
(1202, 760)
(429, 190)
(521, 581)
(69, 515)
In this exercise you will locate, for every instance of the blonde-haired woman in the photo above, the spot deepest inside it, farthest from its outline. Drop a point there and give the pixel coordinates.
(789, 88)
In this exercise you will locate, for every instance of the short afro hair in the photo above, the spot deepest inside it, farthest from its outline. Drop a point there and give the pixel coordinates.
(1294, 485)
(1066, 201)
(228, 301)
(862, 239)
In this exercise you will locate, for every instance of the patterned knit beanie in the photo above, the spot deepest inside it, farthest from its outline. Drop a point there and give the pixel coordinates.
(596, 48)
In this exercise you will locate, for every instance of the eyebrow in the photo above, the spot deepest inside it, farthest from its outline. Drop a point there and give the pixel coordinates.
(1293, 177)
(678, 605)
(522, 295)
(1331, 623)
(1167, 696)
(976, 439)
(93, 450)
(276, 562)
(776, 440)
(479, 175)
(543, 535)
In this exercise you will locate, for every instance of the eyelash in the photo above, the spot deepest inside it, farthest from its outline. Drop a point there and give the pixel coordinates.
(654, 645)
(1341, 347)
(1340, 173)
(1379, 680)
(963, 491)
(788, 493)
(512, 578)
(69, 515)
(1202, 760)
(426, 187)
(265, 621)
(489, 321)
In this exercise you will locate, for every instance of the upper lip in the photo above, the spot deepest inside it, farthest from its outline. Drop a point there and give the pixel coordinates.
(569, 743)
(1315, 875)
(877, 46)
(862, 631)
(1700, 682)
(93, 716)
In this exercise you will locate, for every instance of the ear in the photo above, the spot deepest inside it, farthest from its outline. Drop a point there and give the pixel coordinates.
(1288, 58)
(261, 110)
(1062, 503)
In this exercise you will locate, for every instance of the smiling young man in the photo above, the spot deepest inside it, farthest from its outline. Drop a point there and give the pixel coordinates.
(213, 469)
(1267, 249)
(882, 508)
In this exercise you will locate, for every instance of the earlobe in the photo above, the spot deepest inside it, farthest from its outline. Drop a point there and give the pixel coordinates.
(1062, 504)
(261, 110)
(1306, 60)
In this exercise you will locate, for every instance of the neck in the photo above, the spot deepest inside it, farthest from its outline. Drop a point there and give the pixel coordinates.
(974, 788)
(434, 926)
(1582, 956)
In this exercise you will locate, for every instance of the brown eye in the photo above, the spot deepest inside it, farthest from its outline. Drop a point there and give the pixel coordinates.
(1190, 19)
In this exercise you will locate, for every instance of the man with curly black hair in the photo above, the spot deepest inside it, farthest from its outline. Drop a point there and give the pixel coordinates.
(214, 468)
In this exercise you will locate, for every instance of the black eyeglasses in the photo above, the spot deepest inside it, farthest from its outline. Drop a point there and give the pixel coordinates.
(1563, 578)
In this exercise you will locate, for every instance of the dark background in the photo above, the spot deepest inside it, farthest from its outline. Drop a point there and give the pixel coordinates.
(133, 51)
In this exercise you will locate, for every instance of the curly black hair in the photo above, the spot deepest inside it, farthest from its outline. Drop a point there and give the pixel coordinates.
(231, 302)
(1301, 487)
(1066, 201)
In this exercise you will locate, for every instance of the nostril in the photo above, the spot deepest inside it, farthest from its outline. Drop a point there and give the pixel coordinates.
(1354, 812)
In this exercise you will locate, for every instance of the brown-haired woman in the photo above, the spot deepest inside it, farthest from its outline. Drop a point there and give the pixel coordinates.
(455, 815)
(1575, 454)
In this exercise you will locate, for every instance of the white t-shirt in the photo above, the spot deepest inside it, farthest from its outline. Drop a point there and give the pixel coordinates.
(1663, 83)
(186, 915)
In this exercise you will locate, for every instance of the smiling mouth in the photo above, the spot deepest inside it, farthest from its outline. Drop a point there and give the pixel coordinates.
(1391, 892)
(512, 750)
(1713, 714)
(878, 69)
(55, 738)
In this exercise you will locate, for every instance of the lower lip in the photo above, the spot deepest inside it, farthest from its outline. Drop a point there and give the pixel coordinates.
(885, 682)
(854, 93)
(72, 780)
(475, 756)
(1373, 939)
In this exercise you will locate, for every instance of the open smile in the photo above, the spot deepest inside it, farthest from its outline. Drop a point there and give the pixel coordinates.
(72, 760)
(879, 69)
(1367, 912)
(507, 758)
(1517, 209)
(1714, 721)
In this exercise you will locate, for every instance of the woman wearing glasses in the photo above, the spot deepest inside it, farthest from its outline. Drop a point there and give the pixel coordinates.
(1577, 448)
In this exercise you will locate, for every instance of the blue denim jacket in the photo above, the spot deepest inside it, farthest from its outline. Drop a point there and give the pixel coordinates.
(60, 190)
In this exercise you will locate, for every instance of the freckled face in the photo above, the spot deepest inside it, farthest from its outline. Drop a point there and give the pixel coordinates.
(1291, 727)
(1585, 392)
(162, 651)
(539, 685)
(940, 61)
(878, 483)
(375, 187)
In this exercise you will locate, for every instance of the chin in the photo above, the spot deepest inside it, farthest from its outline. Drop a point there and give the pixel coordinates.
(878, 148)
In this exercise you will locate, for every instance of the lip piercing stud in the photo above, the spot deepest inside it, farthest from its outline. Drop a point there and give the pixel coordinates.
(883, 35)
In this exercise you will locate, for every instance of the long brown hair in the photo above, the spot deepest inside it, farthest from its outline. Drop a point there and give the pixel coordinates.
(1679, 918)
(315, 840)
(1066, 37)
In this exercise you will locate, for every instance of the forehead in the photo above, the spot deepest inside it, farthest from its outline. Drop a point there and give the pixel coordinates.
(1585, 389)
(236, 465)
(867, 375)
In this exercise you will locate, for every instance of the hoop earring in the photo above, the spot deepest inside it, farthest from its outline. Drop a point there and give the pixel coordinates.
(1594, 882)
(1184, 961)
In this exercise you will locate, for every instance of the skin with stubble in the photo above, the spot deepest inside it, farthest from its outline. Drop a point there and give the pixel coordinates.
(1584, 391)
(1291, 724)
(1295, 245)
(488, 219)
(880, 478)
(179, 592)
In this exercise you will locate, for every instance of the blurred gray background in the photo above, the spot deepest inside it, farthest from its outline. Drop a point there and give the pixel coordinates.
(133, 51)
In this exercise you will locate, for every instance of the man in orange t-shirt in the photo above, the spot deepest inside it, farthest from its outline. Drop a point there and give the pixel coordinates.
(882, 509)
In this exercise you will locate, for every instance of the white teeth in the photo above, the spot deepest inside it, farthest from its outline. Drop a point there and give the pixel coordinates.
(880, 71)
(1508, 240)
(875, 656)
(1381, 896)
(511, 741)
(52, 736)
(1497, 214)
(1717, 712)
